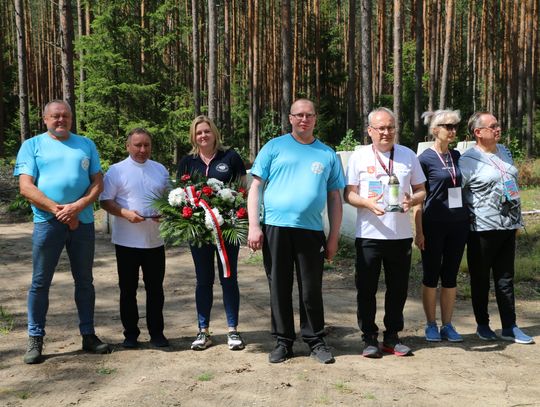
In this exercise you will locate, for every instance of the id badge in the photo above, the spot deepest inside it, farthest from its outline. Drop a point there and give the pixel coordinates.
(511, 190)
(375, 189)
(454, 197)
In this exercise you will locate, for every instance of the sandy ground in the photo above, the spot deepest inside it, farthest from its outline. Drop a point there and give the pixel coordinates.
(472, 373)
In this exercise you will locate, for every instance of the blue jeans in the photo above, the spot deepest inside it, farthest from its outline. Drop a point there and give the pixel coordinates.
(203, 257)
(48, 241)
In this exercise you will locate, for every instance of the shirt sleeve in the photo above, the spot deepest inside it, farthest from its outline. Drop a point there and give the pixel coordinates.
(110, 188)
(95, 165)
(261, 166)
(26, 160)
(417, 173)
(336, 179)
(353, 171)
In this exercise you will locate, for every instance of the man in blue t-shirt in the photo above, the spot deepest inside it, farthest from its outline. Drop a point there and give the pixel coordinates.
(300, 175)
(60, 174)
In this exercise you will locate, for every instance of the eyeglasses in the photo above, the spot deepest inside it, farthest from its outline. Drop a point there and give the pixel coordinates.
(492, 127)
(300, 116)
(381, 130)
(448, 126)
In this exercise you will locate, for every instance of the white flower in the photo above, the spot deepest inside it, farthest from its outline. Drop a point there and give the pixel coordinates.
(177, 197)
(208, 219)
(215, 184)
(226, 194)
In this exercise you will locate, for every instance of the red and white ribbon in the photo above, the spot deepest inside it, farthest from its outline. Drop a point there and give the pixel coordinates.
(195, 200)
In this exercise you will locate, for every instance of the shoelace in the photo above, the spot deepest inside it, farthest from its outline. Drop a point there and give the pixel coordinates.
(33, 344)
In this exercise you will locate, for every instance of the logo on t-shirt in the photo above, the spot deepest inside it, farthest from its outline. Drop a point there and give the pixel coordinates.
(317, 168)
(85, 163)
(371, 169)
(222, 167)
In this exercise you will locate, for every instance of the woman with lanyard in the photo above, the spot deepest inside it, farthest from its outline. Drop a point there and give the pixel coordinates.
(442, 224)
(208, 158)
(492, 196)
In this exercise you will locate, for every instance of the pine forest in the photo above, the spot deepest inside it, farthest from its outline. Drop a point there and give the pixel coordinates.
(159, 63)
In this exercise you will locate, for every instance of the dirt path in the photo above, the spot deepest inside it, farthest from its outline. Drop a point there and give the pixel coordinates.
(472, 373)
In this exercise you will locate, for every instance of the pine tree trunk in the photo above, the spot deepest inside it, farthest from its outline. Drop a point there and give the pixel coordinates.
(419, 70)
(398, 29)
(212, 60)
(446, 58)
(529, 80)
(82, 76)
(351, 68)
(227, 69)
(286, 64)
(196, 53)
(367, 95)
(68, 75)
(24, 113)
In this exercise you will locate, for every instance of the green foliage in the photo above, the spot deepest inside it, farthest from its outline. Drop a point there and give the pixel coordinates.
(6, 321)
(205, 377)
(20, 205)
(348, 143)
(269, 127)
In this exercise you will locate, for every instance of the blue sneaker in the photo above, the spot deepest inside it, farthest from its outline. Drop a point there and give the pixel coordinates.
(432, 332)
(449, 333)
(484, 332)
(516, 335)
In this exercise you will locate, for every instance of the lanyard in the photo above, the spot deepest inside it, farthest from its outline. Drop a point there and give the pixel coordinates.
(499, 164)
(452, 173)
(390, 169)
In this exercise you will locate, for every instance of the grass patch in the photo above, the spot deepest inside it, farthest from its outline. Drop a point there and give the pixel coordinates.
(254, 259)
(530, 198)
(369, 396)
(6, 321)
(342, 387)
(104, 371)
(205, 377)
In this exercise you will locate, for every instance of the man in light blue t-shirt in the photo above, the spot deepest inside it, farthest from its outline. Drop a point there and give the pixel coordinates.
(300, 175)
(60, 174)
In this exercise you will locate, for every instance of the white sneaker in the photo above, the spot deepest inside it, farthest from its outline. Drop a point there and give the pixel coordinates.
(202, 342)
(234, 340)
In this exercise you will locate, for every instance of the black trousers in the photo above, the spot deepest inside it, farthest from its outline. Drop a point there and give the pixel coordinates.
(441, 258)
(395, 256)
(152, 263)
(285, 249)
(495, 251)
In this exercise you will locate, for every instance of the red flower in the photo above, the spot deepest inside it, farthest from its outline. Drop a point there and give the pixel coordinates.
(242, 191)
(241, 213)
(207, 191)
(187, 212)
(185, 177)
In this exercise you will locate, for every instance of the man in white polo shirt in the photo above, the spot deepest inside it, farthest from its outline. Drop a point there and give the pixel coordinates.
(383, 228)
(129, 187)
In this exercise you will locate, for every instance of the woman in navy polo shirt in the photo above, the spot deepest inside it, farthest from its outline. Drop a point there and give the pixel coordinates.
(210, 159)
(442, 224)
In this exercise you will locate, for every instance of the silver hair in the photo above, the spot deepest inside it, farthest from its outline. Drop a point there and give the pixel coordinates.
(379, 110)
(56, 101)
(475, 121)
(441, 116)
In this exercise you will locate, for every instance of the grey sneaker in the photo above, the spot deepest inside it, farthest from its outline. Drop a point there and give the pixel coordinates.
(235, 341)
(321, 353)
(33, 352)
(91, 343)
(202, 341)
(371, 348)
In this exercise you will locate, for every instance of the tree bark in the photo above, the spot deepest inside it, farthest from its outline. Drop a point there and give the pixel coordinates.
(82, 75)
(367, 93)
(68, 76)
(212, 60)
(419, 71)
(24, 113)
(227, 68)
(286, 64)
(351, 68)
(195, 56)
(398, 29)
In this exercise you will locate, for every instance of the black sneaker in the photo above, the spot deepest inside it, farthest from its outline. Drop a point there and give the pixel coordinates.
(392, 344)
(33, 352)
(91, 343)
(130, 343)
(371, 348)
(280, 353)
(159, 341)
(321, 353)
